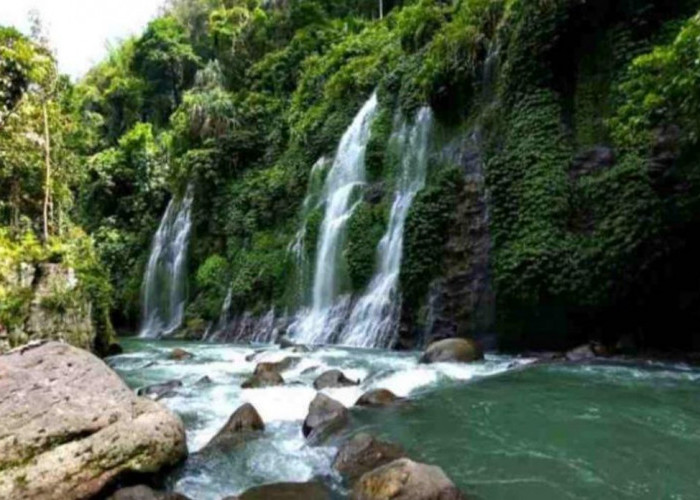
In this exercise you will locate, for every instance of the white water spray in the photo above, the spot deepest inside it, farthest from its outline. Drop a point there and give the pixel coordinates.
(346, 175)
(164, 284)
(374, 319)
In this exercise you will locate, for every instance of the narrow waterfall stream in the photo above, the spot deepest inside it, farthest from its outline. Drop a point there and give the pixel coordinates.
(373, 321)
(163, 290)
(347, 174)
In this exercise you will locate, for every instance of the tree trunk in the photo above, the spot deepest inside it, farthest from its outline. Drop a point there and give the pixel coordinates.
(381, 9)
(47, 173)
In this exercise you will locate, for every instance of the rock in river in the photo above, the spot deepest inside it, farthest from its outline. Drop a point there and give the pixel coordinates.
(142, 492)
(325, 416)
(333, 378)
(364, 453)
(377, 397)
(263, 379)
(160, 391)
(69, 426)
(277, 366)
(404, 479)
(243, 424)
(456, 349)
(286, 491)
(180, 354)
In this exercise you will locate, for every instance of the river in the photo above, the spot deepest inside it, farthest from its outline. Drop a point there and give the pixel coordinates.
(503, 428)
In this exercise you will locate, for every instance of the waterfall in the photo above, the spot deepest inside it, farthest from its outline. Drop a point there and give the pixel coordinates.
(346, 174)
(164, 284)
(374, 319)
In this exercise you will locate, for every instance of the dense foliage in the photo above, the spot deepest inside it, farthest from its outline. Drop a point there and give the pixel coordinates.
(585, 116)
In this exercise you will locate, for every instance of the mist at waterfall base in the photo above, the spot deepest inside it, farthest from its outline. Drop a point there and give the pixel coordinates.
(503, 428)
(164, 283)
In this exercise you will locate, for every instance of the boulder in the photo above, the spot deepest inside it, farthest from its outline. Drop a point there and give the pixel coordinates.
(69, 426)
(114, 349)
(333, 378)
(286, 491)
(277, 366)
(242, 425)
(160, 391)
(364, 453)
(204, 381)
(142, 492)
(178, 354)
(455, 350)
(377, 397)
(404, 479)
(581, 354)
(326, 415)
(263, 379)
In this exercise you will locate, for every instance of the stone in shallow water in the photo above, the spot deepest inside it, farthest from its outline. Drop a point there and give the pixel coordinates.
(326, 415)
(455, 350)
(244, 424)
(277, 366)
(377, 397)
(404, 479)
(77, 427)
(160, 391)
(178, 354)
(142, 492)
(364, 453)
(263, 379)
(286, 491)
(333, 378)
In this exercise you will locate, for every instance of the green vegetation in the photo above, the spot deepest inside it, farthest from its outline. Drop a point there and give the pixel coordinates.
(585, 116)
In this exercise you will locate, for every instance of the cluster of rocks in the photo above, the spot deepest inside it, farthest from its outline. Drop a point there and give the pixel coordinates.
(71, 429)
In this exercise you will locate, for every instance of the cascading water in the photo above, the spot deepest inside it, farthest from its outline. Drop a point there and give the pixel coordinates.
(373, 321)
(319, 323)
(163, 291)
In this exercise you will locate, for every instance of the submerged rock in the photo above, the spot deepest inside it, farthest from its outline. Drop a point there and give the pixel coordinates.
(456, 349)
(404, 479)
(333, 378)
(263, 379)
(378, 397)
(277, 366)
(160, 391)
(364, 453)
(242, 425)
(77, 426)
(142, 492)
(178, 354)
(204, 381)
(286, 491)
(326, 415)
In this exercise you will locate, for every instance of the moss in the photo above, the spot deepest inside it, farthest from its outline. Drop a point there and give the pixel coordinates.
(365, 230)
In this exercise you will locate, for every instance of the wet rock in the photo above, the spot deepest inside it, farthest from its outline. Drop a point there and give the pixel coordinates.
(245, 423)
(333, 378)
(364, 453)
(263, 379)
(142, 492)
(114, 349)
(277, 366)
(310, 369)
(78, 427)
(250, 357)
(404, 479)
(204, 381)
(160, 391)
(286, 491)
(285, 342)
(178, 354)
(581, 353)
(326, 415)
(377, 397)
(456, 350)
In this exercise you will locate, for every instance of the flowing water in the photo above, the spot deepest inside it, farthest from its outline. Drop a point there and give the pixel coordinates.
(374, 319)
(501, 429)
(340, 194)
(164, 284)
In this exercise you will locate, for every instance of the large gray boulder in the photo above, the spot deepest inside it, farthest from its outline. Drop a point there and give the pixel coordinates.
(69, 426)
(364, 453)
(453, 350)
(326, 415)
(404, 479)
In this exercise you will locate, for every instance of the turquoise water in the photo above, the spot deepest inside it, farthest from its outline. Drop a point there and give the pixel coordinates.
(501, 429)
